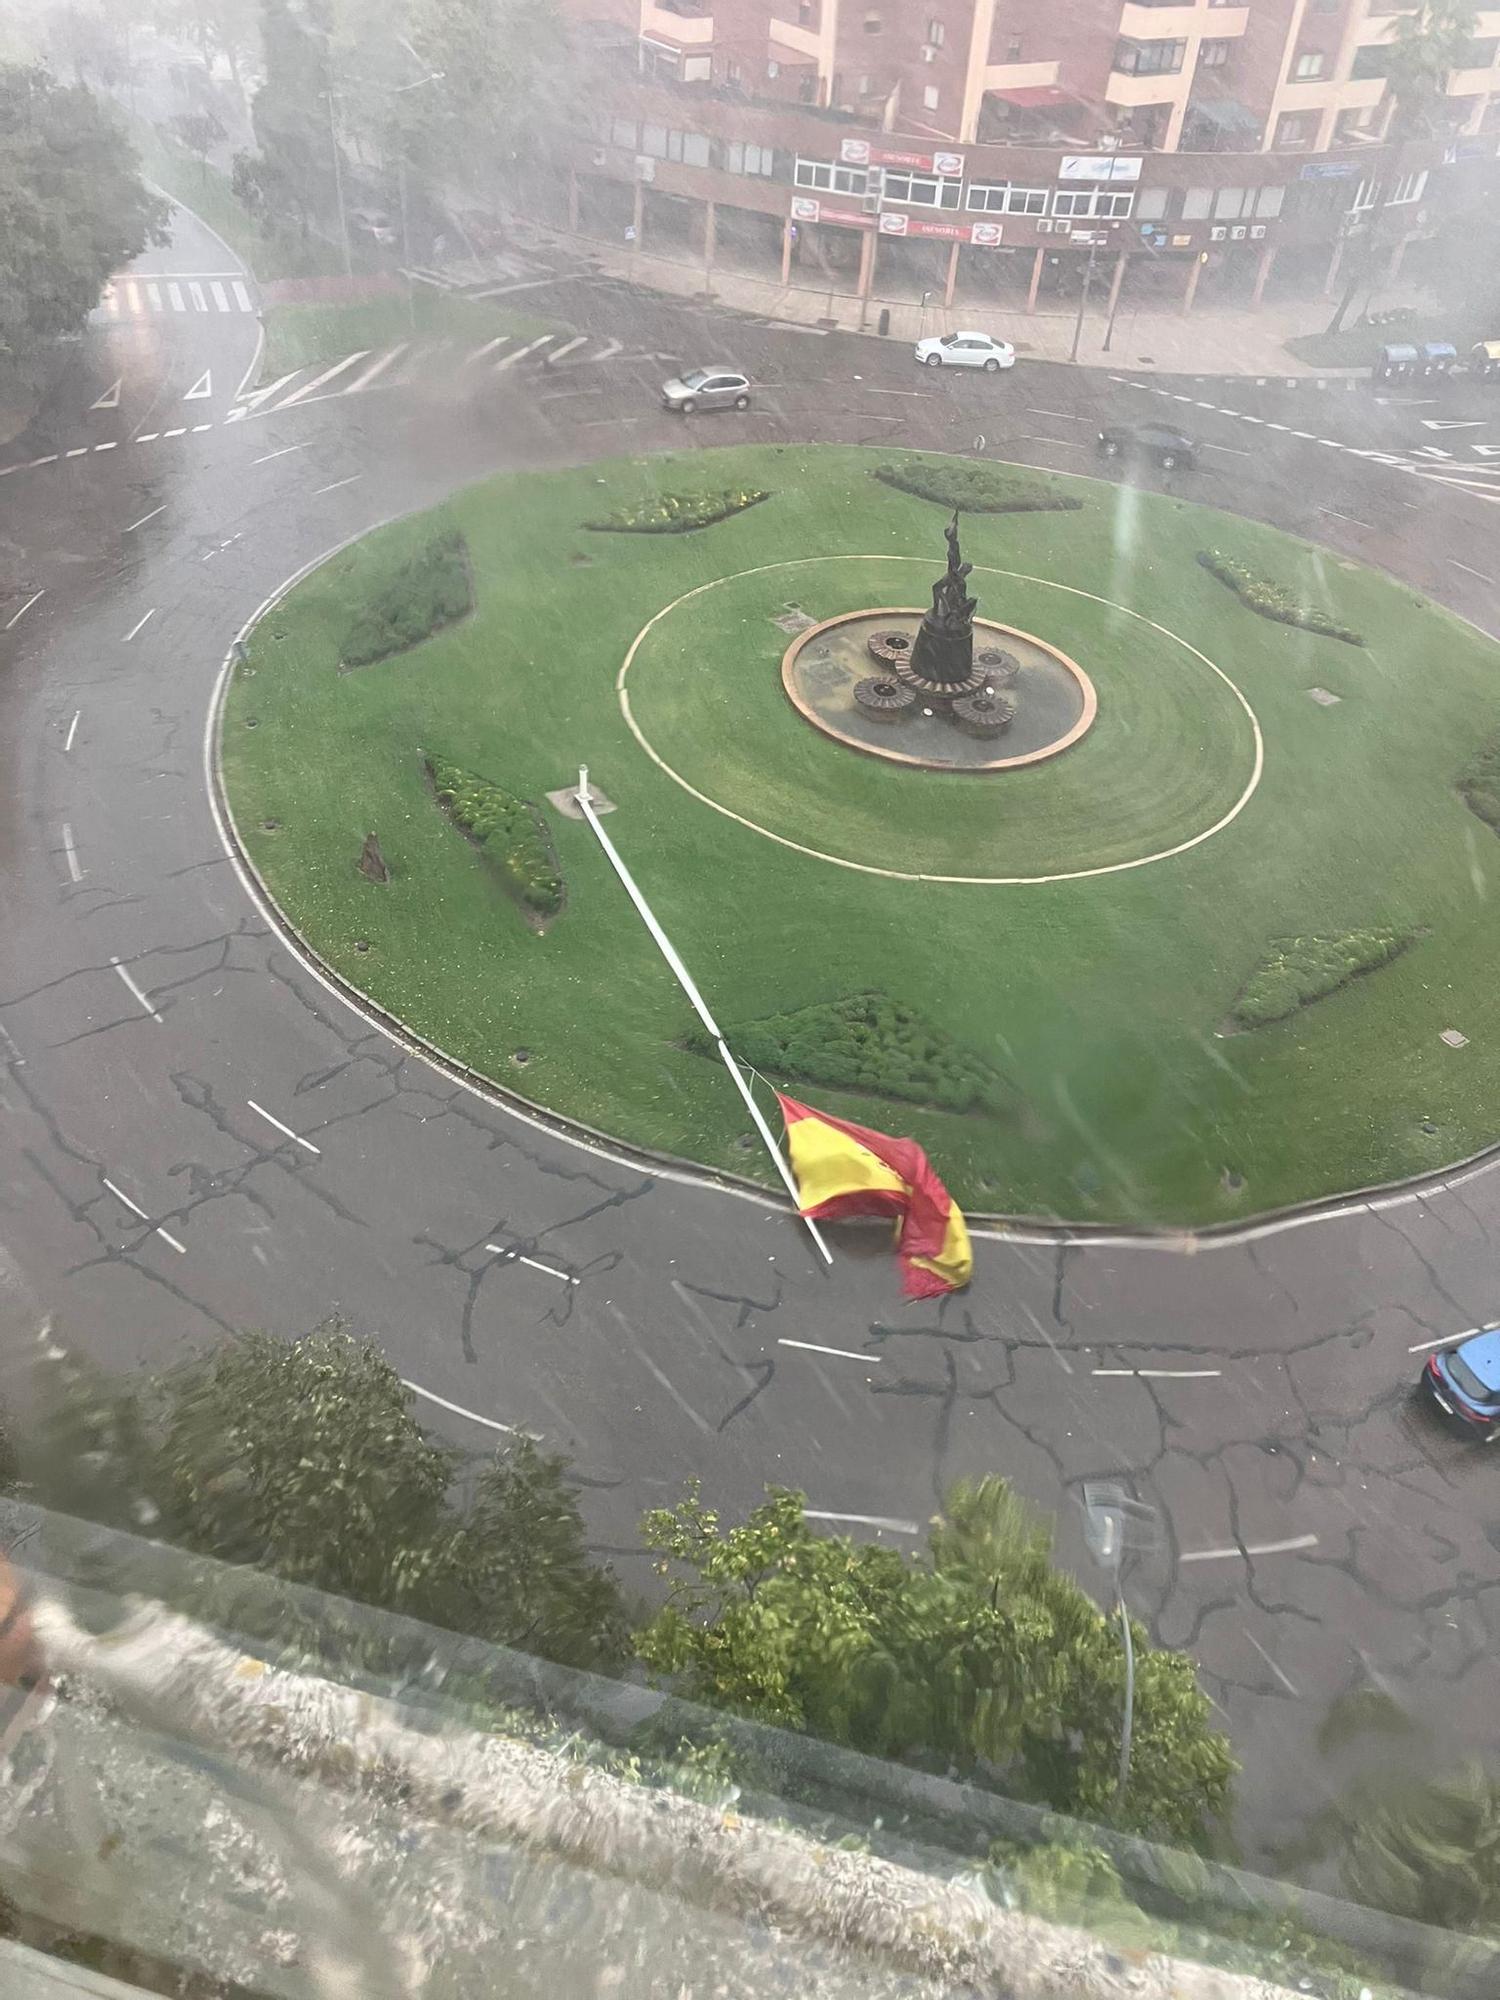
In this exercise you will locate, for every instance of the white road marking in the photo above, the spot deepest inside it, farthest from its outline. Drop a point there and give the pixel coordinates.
(1165, 1374)
(1259, 1549)
(296, 1137)
(336, 484)
(297, 395)
(376, 367)
(148, 437)
(139, 625)
(72, 730)
(139, 995)
(195, 293)
(510, 360)
(1443, 1340)
(120, 1195)
(1233, 450)
(133, 295)
(282, 453)
(490, 1423)
(174, 296)
(220, 296)
(146, 517)
(72, 853)
(846, 1353)
(181, 431)
(864, 1520)
(196, 429)
(1332, 443)
(1276, 427)
(202, 388)
(14, 1057)
(241, 296)
(1311, 439)
(610, 351)
(578, 340)
(110, 400)
(1285, 1682)
(111, 444)
(500, 340)
(1471, 572)
(1062, 416)
(1069, 444)
(153, 293)
(16, 617)
(259, 395)
(1246, 418)
(515, 1257)
(78, 451)
(1334, 514)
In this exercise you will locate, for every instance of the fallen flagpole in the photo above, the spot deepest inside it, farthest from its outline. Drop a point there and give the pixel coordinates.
(699, 1005)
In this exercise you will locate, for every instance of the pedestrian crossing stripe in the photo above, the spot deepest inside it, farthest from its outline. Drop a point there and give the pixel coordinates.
(172, 292)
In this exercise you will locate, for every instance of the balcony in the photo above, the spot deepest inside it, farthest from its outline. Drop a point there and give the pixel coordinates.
(691, 29)
(1169, 87)
(1145, 23)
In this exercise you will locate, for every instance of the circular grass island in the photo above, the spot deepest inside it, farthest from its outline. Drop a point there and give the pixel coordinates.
(1197, 965)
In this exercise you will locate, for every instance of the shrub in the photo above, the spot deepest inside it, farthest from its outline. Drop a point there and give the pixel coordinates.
(1298, 970)
(868, 1043)
(511, 833)
(973, 487)
(1269, 600)
(427, 591)
(1479, 785)
(677, 513)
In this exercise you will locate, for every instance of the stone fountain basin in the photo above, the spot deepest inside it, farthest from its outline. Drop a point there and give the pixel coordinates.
(1055, 699)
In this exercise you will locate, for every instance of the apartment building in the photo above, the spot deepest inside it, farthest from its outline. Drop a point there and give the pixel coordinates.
(977, 148)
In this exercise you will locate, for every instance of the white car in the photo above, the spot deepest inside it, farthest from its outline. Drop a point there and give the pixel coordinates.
(965, 350)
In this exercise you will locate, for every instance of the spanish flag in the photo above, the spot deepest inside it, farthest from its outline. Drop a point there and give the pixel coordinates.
(844, 1169)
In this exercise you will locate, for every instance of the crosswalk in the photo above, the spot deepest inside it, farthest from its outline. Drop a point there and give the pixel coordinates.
(179, 292)
(411, 363)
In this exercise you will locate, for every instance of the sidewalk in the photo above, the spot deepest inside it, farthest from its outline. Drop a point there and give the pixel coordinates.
(1207, 341)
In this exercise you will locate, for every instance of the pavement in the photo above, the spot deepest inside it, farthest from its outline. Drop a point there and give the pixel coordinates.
(1209, 340)
(200, 1134)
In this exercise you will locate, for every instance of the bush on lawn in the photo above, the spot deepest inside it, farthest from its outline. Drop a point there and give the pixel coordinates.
(511, 833)
(1298, 970)
(677, 513)
(1269, 600)
(427, 591)
(973, 487)
(866, 1042)
(1479, 785)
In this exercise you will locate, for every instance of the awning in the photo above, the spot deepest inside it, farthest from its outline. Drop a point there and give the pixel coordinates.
(1040, 97)
(1223, 114)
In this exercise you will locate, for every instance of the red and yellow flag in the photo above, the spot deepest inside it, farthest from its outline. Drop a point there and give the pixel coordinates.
(843, 1169)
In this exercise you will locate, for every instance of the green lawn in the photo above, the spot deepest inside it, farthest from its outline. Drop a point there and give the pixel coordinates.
(302, 336)
(1099, 999)
(207, 192)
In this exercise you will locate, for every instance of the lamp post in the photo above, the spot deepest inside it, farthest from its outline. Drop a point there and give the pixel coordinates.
(1083, 296)
(1113, 1526)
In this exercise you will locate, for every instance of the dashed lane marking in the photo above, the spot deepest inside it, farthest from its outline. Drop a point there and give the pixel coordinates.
(1248, 1549)
(139, 625)
(490, 1423)
(295, 1137)
(844, 1353)
(136, 991)
(558, 353)
(72, 731)
(510, 360)
(1471, 572)
(863, 1520)
(71, 852)
(334, 485)
(146, 517)
(16, 616)
(515, 1257)
(121, 1196)
(285, 449)
(1334, 515)
(1165, 1374)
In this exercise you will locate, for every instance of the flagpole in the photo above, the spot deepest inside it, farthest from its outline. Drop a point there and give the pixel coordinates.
(699, 1005)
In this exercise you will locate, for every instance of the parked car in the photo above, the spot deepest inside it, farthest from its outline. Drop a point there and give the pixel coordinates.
(1484, 360)
(706, 389)
(1158, 442)
(1464, 1382)
(965, 350)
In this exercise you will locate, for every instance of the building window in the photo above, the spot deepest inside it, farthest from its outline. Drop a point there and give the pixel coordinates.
(624, 132)
(654, 141)
(807, 13)
(697, 69)
(1231, 203)
(1308, 65)
(1294, 128)
(773, 70)
(1326, 6)
(1149, 58)
(921, 190)
(1365, 197)
(1150, 204)
(1268, 201)
(743, 158)
(1373, 60)
(930, 97)
(1002, 198)
(1081, 202)
(1013, 49)
(865, 85)
(937, 34)
(873, 24)
(1214, 55)
(1196, 202)
(825, 175)
(1410, 187)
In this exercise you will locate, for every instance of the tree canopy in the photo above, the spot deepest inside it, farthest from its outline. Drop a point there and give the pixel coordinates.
(980, 1654)
(73, 209)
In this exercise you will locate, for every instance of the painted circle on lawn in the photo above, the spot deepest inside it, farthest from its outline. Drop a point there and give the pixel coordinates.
(1222, 819)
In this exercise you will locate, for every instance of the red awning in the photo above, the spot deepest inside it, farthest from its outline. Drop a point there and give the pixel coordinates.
(1039, 97)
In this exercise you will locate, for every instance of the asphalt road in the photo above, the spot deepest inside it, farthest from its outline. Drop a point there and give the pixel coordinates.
(198, 1135)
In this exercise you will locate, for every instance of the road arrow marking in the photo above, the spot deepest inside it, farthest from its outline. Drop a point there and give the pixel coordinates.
(1486, 450)
(1452, 423)
(110, 400)
(1431, 451)
(202, 387)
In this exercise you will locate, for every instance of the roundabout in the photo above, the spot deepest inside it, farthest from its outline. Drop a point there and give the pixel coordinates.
(1082, 933)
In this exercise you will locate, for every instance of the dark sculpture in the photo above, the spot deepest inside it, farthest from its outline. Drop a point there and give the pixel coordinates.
(943, 657)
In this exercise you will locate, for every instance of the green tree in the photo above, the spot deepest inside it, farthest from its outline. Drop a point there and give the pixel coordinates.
(72, 208)
(981, 1655)
(302, 1458)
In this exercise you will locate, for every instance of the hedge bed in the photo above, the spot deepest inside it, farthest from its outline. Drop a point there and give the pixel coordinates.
(1298, 970)
(1269, 600)
(973, 487)
(429, 590)
(1479, 784)
(676, 513)
(508, 831)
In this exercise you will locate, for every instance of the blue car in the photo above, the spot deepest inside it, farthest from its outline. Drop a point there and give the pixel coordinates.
(1464, 1382)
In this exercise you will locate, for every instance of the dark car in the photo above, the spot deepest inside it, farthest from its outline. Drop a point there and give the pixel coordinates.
(1158, 442)
(1464, 1382)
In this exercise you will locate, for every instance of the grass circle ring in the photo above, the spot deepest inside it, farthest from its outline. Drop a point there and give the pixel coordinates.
(1217, 825)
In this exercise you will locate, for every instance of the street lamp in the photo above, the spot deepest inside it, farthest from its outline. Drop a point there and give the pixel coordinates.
(1114, 1526)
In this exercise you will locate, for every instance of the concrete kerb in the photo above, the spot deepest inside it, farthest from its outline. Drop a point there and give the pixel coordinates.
(1025, 1231)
